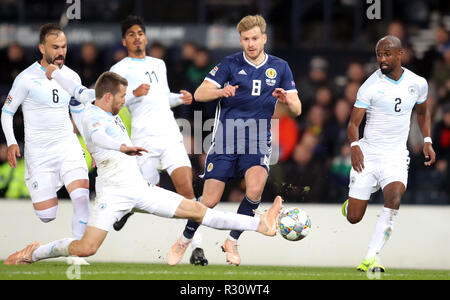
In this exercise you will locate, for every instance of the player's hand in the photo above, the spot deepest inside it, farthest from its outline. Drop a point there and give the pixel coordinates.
(141, 90)
(281, 95)
(429, 153)
(186, 97)
(13, 152)
(132, 151)
(228, 91)
(50, 69)
(357, 158)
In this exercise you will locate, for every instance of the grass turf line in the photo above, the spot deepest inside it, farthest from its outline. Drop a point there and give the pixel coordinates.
(135, 271)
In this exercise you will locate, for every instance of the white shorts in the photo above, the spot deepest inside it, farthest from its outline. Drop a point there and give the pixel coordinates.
(46, 175)
(378, 172)
(163, 154)
(113, 202)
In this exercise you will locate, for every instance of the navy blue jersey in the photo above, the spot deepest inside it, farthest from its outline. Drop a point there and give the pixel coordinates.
(244, 120)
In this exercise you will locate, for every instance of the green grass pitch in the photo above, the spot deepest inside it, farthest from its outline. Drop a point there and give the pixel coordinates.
(133, 271)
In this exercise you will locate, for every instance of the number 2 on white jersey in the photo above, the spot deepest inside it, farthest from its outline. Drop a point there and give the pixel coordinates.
(256, 89)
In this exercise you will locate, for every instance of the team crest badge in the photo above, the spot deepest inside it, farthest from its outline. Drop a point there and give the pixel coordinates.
(412, 90)
(271, 73)
(210, 167)
(34, 185)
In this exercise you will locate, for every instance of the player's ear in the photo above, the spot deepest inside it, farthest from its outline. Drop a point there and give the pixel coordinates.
(265, 38)
(41, 48)
(124, 43)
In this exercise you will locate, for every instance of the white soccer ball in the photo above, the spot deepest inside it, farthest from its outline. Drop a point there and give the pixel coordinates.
(295, 224)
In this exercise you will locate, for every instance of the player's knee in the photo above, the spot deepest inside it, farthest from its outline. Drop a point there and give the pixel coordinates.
(254, 192)
(88, 250)
(47, 215)
(354, 218)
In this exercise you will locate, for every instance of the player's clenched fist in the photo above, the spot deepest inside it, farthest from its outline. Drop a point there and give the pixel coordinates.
(141, 90)
(229, 91)
(186, 97)
(50, 69)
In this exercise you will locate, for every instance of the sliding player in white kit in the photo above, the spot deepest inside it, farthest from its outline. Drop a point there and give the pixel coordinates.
(53, 154)
(120, 186)
(153, 125)
(380, 158)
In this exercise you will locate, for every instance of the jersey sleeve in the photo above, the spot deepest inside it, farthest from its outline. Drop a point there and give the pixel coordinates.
(220, 74)
(16, 95)
(423, 91)
(363, 97)
(287, 80)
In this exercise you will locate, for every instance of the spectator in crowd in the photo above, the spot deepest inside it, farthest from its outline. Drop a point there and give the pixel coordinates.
(305, 173)
(356, 72)
(441, 142)
(287, 133)
(341, 165)
(14, 64)
(409, 59)
(324, 98)
(195, 75)
(316, 78)
(334, 134)
(436, 51)
(157, 50)
(89, 66)
(441, 76)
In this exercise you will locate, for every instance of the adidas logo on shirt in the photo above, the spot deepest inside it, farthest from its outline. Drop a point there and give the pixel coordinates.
(242, 72)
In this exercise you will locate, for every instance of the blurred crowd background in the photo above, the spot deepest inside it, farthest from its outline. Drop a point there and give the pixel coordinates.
(329, 44)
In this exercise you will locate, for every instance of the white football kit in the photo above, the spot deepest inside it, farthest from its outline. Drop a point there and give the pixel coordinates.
(153, 125)
(53, 155)
(119, 185)
(389, 105)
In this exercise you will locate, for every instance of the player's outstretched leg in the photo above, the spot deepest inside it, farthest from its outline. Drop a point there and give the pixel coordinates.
(265, 224)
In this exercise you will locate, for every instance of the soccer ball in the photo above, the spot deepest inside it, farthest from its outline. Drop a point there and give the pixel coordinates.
(294, 224)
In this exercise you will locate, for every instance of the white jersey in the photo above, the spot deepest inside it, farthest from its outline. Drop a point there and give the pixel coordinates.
(150, 114)
(114, 168)
(389, 105)
(45, 109)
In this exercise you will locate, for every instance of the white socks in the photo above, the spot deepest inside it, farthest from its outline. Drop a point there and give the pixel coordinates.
(81, 212)
(383, 230)
(229, 221)
(54, 249)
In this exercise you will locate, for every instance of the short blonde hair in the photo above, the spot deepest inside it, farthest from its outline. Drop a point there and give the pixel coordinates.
(249, 22)
(109, 82)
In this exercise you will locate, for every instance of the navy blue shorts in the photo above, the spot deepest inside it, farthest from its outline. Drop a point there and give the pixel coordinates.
(223, 167)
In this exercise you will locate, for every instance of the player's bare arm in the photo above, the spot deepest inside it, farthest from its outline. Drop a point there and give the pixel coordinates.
(208, 91)
(424, 120)
(353, 136)
(290, 99)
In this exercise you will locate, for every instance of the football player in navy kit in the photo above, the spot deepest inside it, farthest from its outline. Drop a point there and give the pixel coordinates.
(248, 84)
